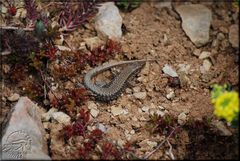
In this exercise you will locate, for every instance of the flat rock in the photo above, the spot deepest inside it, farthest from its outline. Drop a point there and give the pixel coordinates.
(152, 144)
(167, 69)
(26, 132)
(140, 95)
(116, 110)
(101, 127)
(206, 66)
(63, 48)
(136, 89)
(159, 113)
(93, 42)
(13, 97)
(234, 35)
(170, 95)
(145, 108)
(61, 117)
(91, 105)
(182, 118)
(204, 55)
(161, 5)
(108, 21)
(197, 52)
(94, 112)
(196, 21)
(222, 128)
(184, 68)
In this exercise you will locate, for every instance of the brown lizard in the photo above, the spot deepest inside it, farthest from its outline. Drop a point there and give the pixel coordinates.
(118, 84)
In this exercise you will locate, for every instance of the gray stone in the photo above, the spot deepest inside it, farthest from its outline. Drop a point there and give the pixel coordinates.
(23, 137)
(196, 21)
(206, 64)
(204, 55)
(184, 68)
(108, 21)
(101, 127)
(169, 71)
(234, 35)
(140, 95)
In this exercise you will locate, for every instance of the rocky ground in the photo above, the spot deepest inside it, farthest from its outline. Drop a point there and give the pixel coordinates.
(194, 46)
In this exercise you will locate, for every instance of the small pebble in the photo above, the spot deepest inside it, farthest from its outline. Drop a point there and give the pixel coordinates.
(61, 117)
(140, 95)
(160, 113)
(152, 144)
(145, 108)
(220, 36)
(101, 127)
(207, 64)
(136, 89)
(197, 52)
(170, 95)
(204, 55)
(94, 112)
(132, 132)
(182, 118)
(46, 116)
(116, 110)
(14, 97)
(169, 71)
(91, 105)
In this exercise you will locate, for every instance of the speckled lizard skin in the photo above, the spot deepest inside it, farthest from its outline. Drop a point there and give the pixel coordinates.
(118, 84)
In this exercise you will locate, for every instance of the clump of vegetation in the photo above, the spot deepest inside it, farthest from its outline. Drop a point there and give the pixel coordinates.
(128, 5)
(226, 104)
(73, 15)
(90, 139)
(162, 124)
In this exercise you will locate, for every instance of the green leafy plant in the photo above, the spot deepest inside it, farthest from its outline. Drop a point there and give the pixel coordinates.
(128, 5)
(226, 104)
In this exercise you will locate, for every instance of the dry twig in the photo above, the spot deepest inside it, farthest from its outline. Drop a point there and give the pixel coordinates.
(149, 154)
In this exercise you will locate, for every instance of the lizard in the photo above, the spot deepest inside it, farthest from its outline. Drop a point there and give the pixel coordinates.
(112, 90)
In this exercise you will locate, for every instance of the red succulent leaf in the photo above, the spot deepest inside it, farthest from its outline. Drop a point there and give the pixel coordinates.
(69, 131)
(83, 153)
(96, 135)
(89, 146)
(12, 10)
(107, 148)
(50, 52)
(31, 8)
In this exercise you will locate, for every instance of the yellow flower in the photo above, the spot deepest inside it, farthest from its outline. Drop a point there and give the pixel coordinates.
(227, 106)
